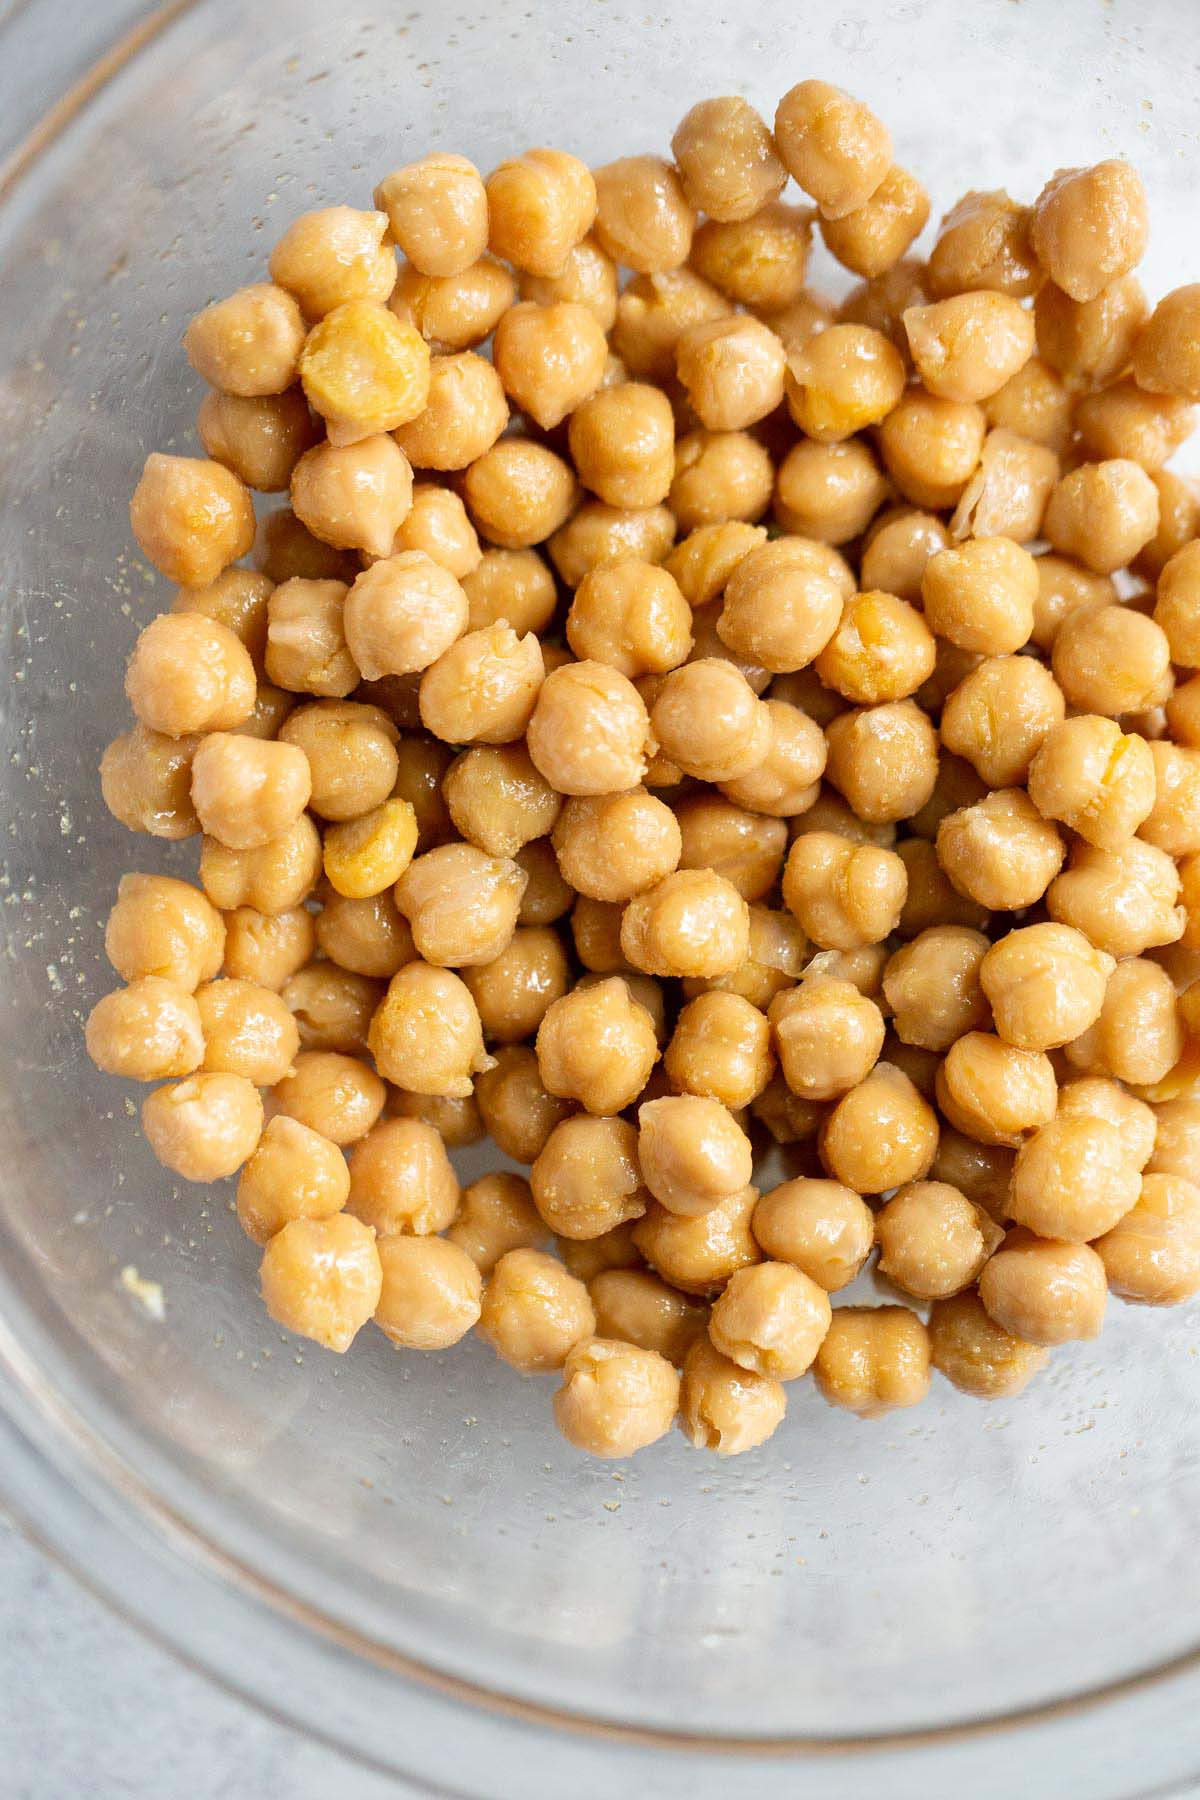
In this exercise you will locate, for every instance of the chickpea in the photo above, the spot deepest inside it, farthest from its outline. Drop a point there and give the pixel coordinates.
(497, 799)
(496, 1215)
(1189, 895)
(827, 1034)
(189, 673)
(483, 688)
(1000, 852)
(801, 319)
(1000, 715)
(1152, 1255)
(1122, 421)
(1112, 659)
(612, 846)
(273, 878)
(957, 785)
(246, 792)
(622, 442)
(534, 1312)
(598, 1046)
(880, 1135)
(720, 1050)
(843, 894)
(366, 855)
(1137, 1034)
(732, 371)
(1035, 404)
(1064, 587)
(1177, 1142)
(322, 1279)
(431, 1293)
(728, 167)
(994, 1092)
(461, 903)
(782, 605)
(146, 781)
(1097, 779)
(354, 496)
(454, 312)
(332, 1007)
(708, 720)
(426, 1035)
(778, 949)
(693, 1154)
(726, 1408)
(364, 370)
(259, 439)
(307, 651)
(510, 587)
(820, 1227)
(402, 614)
(401, 1179)
(517, 1110)
(596, 931)
(351, 752)
(248, 1030)
(881, 302)
(585, 1179)
(588, 277)
(1164, 355)
(437, 212)
(589, 1257)
(636, 1307)
(632, 617)
(829, 812)
(881, 650)
(338, 1096)
(366, 936)
(1103, 514)
(456, 1120)
(519, 492)
(1173, 822)
(464, 416)
(1175, 610)
(966, 347)
(931, 447)
(981, 595)
(1089, 227)
(615, 1398)
(983, 242)
(845, 378)
(932, 986)
(236, 600)
(295, 1173)
(897, 550)
(328, 257)
(883, 759)
(643, 219)
(249, 343)
(873, 1359)
(697, 1253)
(829, 491)
(976, 1354)
(589, 732)
(191, 518)
(164, 928)
(1046, 985)
(719, 476)
(786, 781)
(268, 950)
(931, 900)
(205, 1126)
(599, 534)
(744, 848)
(146, 1031)
(980, 1171)
(1044, 1291)
(874, 236)
(540, 205)
(1096, 1097)
(284, 548)
(933, 1241)
(771, 1319)
(1009, 491)
(788, 1118)
(1072, 1179)
(1123, 898)
(438, 527)
(693, 923)
(833, 145)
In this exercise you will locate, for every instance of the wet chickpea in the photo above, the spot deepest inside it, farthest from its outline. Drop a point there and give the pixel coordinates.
(259, 439)
(1122, 421)
(351, 752)
(164, 928)
(1137, 1034)
(637, 1307)
(897, 550)
(771, 1319)
(801, 319)
(464, 415)
(829, 491)
(879, 1135)
(693, 923)
(1103, 514)
(1088, 227)
(461, 903)
(957, 785)
(495, 1215)
(732, 371)
(339, 1096)
(1164, 354)
(820, 1227)
(785, 782)
(596, 1045)
(1112, 659)
(622, 443)
(993, 1092)
(585, 1179)
(596, 932)
(976, 1354)
(294, 1173)
(205, 1126)
(778, 949)
(654, 311)
(632, 617)
(271, 707)
(402, 614)
(980, 1171)
(932, 986)
(550, 358)
(882, 302)
(1045, 984)
(247, 792)
(236, 600)
(873, 1360)
(354, 496)
(1097, 1097)
(1035, 404)
(789, 1119)
(1045, 1291)
(456, 1119)
(931, 899)
(248, 1030)
(843, 894)
(306, 649)
(998, 718)
(367, 936)
(267, 950)
(497, 799)
(426, 1035)
(364, 370)
(1152, 1255)
(873, 237)
(519, 493)
(720, 1050)
(249, 343)
(726, 157)
(981, 594)
(437, 212)
(725, 1408)
(599, 534)
(983, 242)
(612, 846)
(517, 1110)
(1009, 491)
(693, 1154)
(366, 855)
(1095, 778)
(844, 379)
(931, 447)
(828, 1036)
(146, 1031)
(707, 643)
(589, 733)
(1173, 822)
(1189, 896)
(146, 781)
(709, 721)
(1125, 899)
(1176, 1148)
(615, 1398)
(430, 1297)
(883, 759)
(719, 476)
(746, 849)
(966, 347)
(191, 518)
(1090, 340)
(322, 1279)
(881, 650)
(589, 1257)
(438, 527)
(454, 312)
(782, 605)
(643, 218)
(540, 206)
(401, 1179)
(189, 673)
(697, 1253)
(933, 1241)
(587, 277)
(332, 1007)
(1072, 1179)
(328, 257)
(273, 879)
(833, 145)
(1064, 587)
(483, 688)
(534, 1312)
(1000, 852)
(510, 587)
(1177, 603)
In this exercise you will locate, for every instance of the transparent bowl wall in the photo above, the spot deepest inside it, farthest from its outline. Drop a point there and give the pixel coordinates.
(396, 1551)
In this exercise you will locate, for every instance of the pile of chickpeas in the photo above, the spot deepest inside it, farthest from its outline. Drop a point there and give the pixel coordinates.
(676, 717)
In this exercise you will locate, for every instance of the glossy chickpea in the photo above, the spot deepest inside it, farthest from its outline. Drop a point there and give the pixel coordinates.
(272, 878)
(1000, 715)
(820, 1227)
(1072, 1179)
(786, 781)
(966, 347)
(693, 923)
(993, 1092)
(718, 476)
(881, 650)
(827, 1034)
(438, 527)
(483, 688)
(236, 600)
(587, 277)
(1152, 1255)
(205, 1126)
(589, 733)
(622, 443)
(976, 1354)
(354, 496)
(727, 162)
(437, 212)
(708, 643)
(259, 439)
(585, 1179)
(873, 1360)
(833, 145)
(782, 604)
(882, 302)
(550, 358)
(883, 759)
(844, 379)
(596, 1045)
(599, 534)
(454, 312)
(534, 1312)
(1123, 421)
(1064, 587)
(517, 1110)
(725, 1408)
(189, 673)
(843, 894)
(268, 950)
(1045, 984)
(829, 491)
(1112, 659)
(401, 1179)
(612, 846)
(367, 936)
(708, 720)
(933, 1241)
(1173, 822)
(146, 1031)
(596, 932)
(464, 415)
(1098, 1097)
(321, 1278)
(364, 370)
(777, 951)
(770, 1319)
(720, 1050)
(328, 257)
(306, 650)
(246, 792)
(931, 899)
(191, 518)
(1035, 404)
(1124, 898)
(368, 854)
(1090, 340)
(1000, 852)
(338, 1096)
(496, 1214)
(932, 986)
(332, 1007)
(146, 781)
(351, 752)
(248, 1030)
(1137, 1034)
(510, 587)
(1095, 778)
(731, 370)
(983, 242)
(1089, 227)
(745, 848)
(514, 991)
(1044, 1291)
(615, 1398)
(402, 614)
(1164, 355)
(873, 237)
(637, 1307)
(643, 218)
(519, 492)
(461, 903)
(980, 595)
(541, 205)
(693, 1154)
(294, 1173)
(1103, 514)
(697, 1253)
(284, 548)
(980, 1171)
(247, 344)
(931, 447)
(431, 1292)
(1009, 491)
(897, 549)
(632, 617)
(1176, 605)
(497, 799)
(164, 928)
(426, 1035)
(879, 1135)
(654, 311)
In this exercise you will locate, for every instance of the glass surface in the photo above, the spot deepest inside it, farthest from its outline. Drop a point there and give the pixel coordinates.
(957, 1565)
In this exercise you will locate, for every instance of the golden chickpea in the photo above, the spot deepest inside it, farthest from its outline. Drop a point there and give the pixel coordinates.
(782, 605)
(236, 600)
(366, 855)
(612, 846)
(1152, 1255)
(993, 1092)
(272, 879)
(354, 496)
(540, 206)
(1164, 355)
(697, 1253)
(550, 358)
(1009, 491)
(786, 781)
(517, 1110)
(1000, 715)
(401, 1179)
(164, 928)
(284, 548)
(1046, 985)
(778, 949)
(1123, 898)
(351, 752)
(454, 312)
(1112, 659)
(402, 614)
(981, 594)
(146, 1031)
(205, 1126)
(146, 781)
(879, 1135)
(726, 1408)
(246, 792)
(483, 688)
(598, 1046)
(268, 950)
(1045, 1291)
(1176, 604)
(844, 379)
(510, 587)
(1103, 514)
(437, 212)
(599, 534)
(728, 166)
(1177, 1141)
(980, 1171)
(1137, 1034)
(931, 899)
(719, 476)
(643, 218)
(1090, 340)
(589, 732)
(191, 518)
(788, 1118)
(496, 1215)
(461, 903)
(829, 491)
(931, 447)
(720, 1050)
(801, 319)
(874, 236)
(456, 1120)
(1000, 852)
(1173, 822)
(637, 1307)
(966, 347)
(430, 1297)
(364, 370)
(189, 673)
(983, 242)
(1098, 780)
(622, 442)
(438, 527)
(693, 923)
(519, 492)
(465, 414)
(897, 550)
(709, 721)
(248, 1030)
(883, 759)
(828, 1036)
(932, 986)
(771, 1319)
(585, 1178)
(426, 1035)
(322, 1279)
(306, 650)
(833, 145)
(873, 1359)
(976, 1354)
(332, 1007)
(932, 1240)
(1122, 421)
(632, 617)
(368, 937)
(731, 370)
(693, 1154)
(744, 848)
(596, 931)
(881, 650)
(497, 799)
(1064, 587)
(587, 277)
(295, 1173)
(260, 439)
(1035, 404)
(1072, 1179)
(534, 1312)
(1089, 227)
(328, 257)
(338, 1096)
(844, 894)
(616, 1397)
(820, 1227)
(1096, 1097)
(249, 343)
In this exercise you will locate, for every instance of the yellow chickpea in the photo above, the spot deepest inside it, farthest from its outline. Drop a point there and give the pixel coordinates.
(873, 1359)
(454, 312)
(438, 527)
(880, 1135)
(897, 550)
(881, 650)
(643, 218)
(632, 616)
(829, 491)
(351, 752)
(931, 447)
(1164, 355)
(983, 242)
(1046, 985)
(820, 1227)
(259, 439)
(1103, 514)
(732, 371)
(719, 476)
(328, 257)
(726, 1408)
(437, 212)
(519, 493)
(693, 923)
(267, 950)
(294, 1173)
(596, 1045)
(1090, 340)
(366, 936)
(354, 496)
(844, 379)
(464, 415)
(496, 1214)
(771, 1319)
(430, 1297)
(637, 1307)
(550, 358)
(787, 779)
(843, 894)
(510, 587)
(249, 343)
(966, 347)
(1124, 898)
(1112, 659)
(589, 733)
(599, 534)
(788, 1118)
(1045, 1291)
(1137, 1034)
(205, 1126)
(540, 206)
(993, 1092)
(883, 759)
(697, 1253)
(872, 238)
(1152, 1255)
(981, 595)
(338, 1096)
(622, 443)
(1089, 227)
(613, 846)
(402, 614)
(976, 1354)
(585, 1179)
(782, 604)
(1072, 1179)
(726, 157)
(720, 1050)
(534, 1312)
(366, 855)
(322, 1279)
(932, 986)
(616, 1397)
(497, 799)
(191, 518)
(1000, 715)
(364, 370)
(1035, 404)
(1000, 852)
(833, 145)
(441, 1060)
(401, 1179)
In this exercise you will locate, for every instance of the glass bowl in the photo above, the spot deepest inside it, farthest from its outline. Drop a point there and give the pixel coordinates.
(399, 1553)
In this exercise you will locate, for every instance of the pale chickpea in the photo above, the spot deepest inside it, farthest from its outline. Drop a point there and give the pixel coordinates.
(697, 1253)
(205, 1126)
(483, 688)
(1045, 984)
(615, 1398)
(1095, 1096)
(367, 936)
(260, 439)
(465, 414)
(1000, 852)
(1176, 603)
(720, 1050)
(1009, 491)
(1177, 1141)
(932, 986)
(820, 1227)
(777, 952)
(589, 732)
(731, 370)
(283, 548)
(873, 1360)
(1112, 659)
(354, 496)
(771, 1319)
(437, 212)
(844, 379)
(883, 759)
(1095, 778)
(957, 785)
(596, 931)
(246, 792)
(497, 799)
(294, 1173)
(1103, 514)
(719, 476)
(596, 1045)
(599, 534)
(933, 1241)
(1164, 355)
(540, 206)
(534, 1312)
(238, 601)
(426, 1035)
(273, 878)
(880, 1135)
(827, 1034)
(267, 950)
(708, 720)
(843, 894)
(519, 492)
(1045, 1291)
(980, 1171)
(1152, 1255)
(631, 616)
(248, 1030)
(146, 1031)
(622, 443)
(983, 242)
(322, 1279)
(782, 605)
(786, 781)
(189, 673)
(339, 1096)
(1089, 227)
(496, 1214)
(510, 587)
(1122, 421)
(146, 781)
(693, 1154)
(1035, 404)
(1125, 899)
(829, 491)
(402, 614)
(898, 547)
(1090, 340)
(873, 237)
(881, 650)
(708, 643)
(931, 447)
(727, 162)
(1000, 715)
(306, 650)
(331, 256)
(549, 358)
(164, 928)
(966, 347)
(693, 923)
(461, 903)
(401, 1179)
(725, 1408)
(976, 1354)
(1072, 1179)
(249, 343)
(438, 527)
(744, 848)
(993, 1092)
(1137, 1034)
(454, 312)
(1064, 587)
(643, 218)
(612, 846)
(191, 518)
(332, 1007)
(833, 145)
(981, 595)
(430, 1297)
(351, 752)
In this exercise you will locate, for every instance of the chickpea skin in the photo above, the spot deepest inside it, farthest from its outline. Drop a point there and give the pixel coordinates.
(616, 1398)
(1095, 778)
(720, 1050)
(883, 759)
(725, 1408)
(880, 1135)
(977, 1355)
(771, 1319)
(1089, 227)
(693, 923)
(732, 371)
(983, 242)
(933, 987)
(1152, 1255)
(534, 1312)
(833, 145)
(993, 1092)
(693, 1154)
(873, 1360)
(1000, 852)
(1045, 1291)
(205, 1126)
(932, 1240)
(441, 1060)
(598, 1046)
